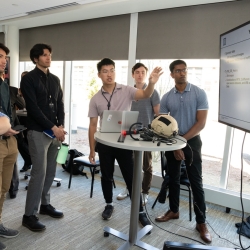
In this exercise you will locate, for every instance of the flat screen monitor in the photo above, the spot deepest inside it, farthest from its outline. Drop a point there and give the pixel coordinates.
(234, 87)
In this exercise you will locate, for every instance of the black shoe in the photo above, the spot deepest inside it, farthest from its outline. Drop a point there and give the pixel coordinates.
(2, 246)
(32, 223)
(144, 221)
(162, 195)
(25, 168)
(238, 224)
(51, 211)
(12, 194)
(248, 219)
(107, 213)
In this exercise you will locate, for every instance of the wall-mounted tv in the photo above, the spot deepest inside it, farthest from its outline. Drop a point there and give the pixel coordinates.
(234, 87)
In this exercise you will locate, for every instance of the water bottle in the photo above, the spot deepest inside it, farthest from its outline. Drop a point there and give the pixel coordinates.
(62, 153)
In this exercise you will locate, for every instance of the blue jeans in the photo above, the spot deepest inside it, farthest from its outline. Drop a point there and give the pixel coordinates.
(194, 170)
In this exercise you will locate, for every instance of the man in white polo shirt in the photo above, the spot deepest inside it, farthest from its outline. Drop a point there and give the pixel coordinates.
(114, 96)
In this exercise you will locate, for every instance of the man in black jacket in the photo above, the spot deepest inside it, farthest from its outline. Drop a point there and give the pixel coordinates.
(18, 102)
(45, 111)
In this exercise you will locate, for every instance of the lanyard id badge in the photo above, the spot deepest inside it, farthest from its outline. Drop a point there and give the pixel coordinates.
(51, 105)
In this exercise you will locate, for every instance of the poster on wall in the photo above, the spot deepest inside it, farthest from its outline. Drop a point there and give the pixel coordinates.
(7, 71)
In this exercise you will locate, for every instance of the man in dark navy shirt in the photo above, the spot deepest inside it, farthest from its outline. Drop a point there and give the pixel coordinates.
(8, 145)
(45, 111)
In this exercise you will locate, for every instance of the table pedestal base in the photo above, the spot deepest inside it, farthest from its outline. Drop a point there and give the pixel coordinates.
(125, 237)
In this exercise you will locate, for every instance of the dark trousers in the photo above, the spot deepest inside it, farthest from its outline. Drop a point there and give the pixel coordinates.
(194, 170)
(125, 159)
(24, 151)
(148, 171)
(14, 184)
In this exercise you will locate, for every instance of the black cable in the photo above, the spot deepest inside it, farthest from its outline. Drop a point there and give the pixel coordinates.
(149, 135)
(170, 231)
(187, 229)
(222, 237)
(241, 201)
(195, 204)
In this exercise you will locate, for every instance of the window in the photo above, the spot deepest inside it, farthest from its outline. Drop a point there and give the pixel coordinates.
(56, 68)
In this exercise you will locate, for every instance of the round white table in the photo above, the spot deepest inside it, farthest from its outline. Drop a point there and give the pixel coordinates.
(111, 139)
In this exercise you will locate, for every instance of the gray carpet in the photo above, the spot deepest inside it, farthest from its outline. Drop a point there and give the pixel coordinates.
(82, 225)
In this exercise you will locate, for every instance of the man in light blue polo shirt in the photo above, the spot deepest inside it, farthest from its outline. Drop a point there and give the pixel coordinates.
(188, 104)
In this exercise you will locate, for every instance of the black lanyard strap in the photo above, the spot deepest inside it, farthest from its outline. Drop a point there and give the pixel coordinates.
(109, 98)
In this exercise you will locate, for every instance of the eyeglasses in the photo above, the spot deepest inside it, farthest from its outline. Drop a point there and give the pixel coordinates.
(108, 71)
(178, 71)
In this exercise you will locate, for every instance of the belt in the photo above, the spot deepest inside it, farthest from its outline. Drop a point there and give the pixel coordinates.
(2, 137)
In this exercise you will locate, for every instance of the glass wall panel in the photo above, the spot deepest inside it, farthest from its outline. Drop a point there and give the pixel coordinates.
(56, 68)
(234, 179)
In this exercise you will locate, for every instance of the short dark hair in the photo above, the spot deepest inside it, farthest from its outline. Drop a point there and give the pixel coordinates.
(37, 50)
(4, 48)
(176, 62)
(105, 61)
(137, 66)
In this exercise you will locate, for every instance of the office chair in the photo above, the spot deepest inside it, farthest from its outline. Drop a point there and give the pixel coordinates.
(83, 161)
(161, 197)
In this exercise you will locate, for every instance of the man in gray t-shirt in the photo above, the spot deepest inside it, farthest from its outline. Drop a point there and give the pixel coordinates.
(147, 109)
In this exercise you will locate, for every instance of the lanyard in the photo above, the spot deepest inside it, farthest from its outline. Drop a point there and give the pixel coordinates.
(109, 98)
(47, 87)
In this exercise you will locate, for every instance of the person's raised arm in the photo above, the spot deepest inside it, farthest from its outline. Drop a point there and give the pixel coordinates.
(92, 129)
(153, 78)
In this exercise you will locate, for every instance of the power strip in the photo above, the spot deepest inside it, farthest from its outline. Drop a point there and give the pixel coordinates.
(170, 245)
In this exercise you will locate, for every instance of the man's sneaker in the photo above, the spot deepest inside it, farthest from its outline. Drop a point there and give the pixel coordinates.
(25, 168)
(2, 246)
(107, 213)
(51, 211)
(144, 199)
(124, 194)
(144, 221)
(13, 194)
(32, 223)
(7, 232)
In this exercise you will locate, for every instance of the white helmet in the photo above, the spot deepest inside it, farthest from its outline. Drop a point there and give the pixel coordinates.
(165, 125)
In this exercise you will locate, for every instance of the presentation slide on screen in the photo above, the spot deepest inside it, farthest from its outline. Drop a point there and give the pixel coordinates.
(234, 101)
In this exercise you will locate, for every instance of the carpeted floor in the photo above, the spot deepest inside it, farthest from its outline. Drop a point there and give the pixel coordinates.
(82, 225)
